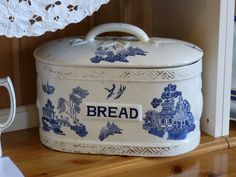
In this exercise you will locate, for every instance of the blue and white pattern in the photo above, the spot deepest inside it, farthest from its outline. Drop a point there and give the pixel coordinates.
(68, 114)
(174, 120)
(115, 93)
(109, 129)
(233, 95)
(115, 54)
(49, 89)
(50, 120)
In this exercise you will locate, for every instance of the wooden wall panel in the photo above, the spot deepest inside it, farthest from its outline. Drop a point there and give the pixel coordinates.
(20, 64)
(27, 65)
(173, 19)
(112, 12)
(182, 19)
(6, 68)
(207, 25)
(77, 29)
(16, 69)
(139, 13)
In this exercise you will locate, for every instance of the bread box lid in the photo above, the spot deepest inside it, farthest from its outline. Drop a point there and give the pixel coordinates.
(129, 52)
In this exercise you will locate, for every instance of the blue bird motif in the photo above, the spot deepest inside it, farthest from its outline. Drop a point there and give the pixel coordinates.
(118, 93)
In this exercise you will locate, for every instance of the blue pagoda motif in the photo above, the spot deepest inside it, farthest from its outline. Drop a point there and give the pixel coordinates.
(49, 119)
(115, 51)
(68, 114)
(109, 129)
(174, 119)
(49, 89)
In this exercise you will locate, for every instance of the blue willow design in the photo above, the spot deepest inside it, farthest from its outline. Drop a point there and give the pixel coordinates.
(109, 129)
(68, 111)
(49, 89)
(117, 94)
(175, 119)
(50, 120)
(113, 54)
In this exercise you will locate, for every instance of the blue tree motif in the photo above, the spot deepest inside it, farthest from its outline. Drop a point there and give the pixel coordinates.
(109, 129)
(49, 119)
(49, 89)
(170, 92)
(175, 118)
(156, 102)
(114, 54)
(80, 129)
(185, 120)
(135, 51)
(72, 108)
(96, 59)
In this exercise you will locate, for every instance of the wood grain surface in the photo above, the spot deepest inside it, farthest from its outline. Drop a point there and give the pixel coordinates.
(232, 135)
(212, 158)
(5, 67)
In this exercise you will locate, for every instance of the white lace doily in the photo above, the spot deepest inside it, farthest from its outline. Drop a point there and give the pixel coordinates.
(34, 17)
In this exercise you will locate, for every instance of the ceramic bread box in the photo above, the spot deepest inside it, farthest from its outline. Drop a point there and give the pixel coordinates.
(135, 96)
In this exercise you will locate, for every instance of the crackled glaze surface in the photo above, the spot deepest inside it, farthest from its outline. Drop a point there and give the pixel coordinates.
(121, 97)
(113, 149)
(164, 114)
(175, 119)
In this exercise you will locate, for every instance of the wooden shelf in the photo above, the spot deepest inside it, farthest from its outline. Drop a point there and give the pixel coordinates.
(33, 159)
(232, 135)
